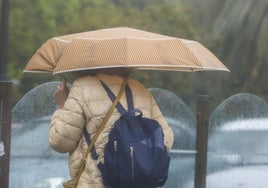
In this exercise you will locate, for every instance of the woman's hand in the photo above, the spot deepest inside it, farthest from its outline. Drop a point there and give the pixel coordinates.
(61, 93)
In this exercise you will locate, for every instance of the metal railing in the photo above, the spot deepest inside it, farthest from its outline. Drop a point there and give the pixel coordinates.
(202, 116)
(5, 131)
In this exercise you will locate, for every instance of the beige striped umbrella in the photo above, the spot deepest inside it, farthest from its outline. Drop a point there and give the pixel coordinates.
(121, 47)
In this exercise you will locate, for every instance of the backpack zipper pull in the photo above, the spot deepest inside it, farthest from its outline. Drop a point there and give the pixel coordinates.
(132, 162)
(115, 146)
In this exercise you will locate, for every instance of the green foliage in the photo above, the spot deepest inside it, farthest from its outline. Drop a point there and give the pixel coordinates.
(32, 22)
(236, 31)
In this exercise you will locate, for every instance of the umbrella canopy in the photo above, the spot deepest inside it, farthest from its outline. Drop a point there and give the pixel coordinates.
(121, 47)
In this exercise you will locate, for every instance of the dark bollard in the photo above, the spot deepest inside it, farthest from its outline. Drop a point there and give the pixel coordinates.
(5, 131)
(202, 115)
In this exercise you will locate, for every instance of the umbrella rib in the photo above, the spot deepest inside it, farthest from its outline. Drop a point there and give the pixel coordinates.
(157, 67)
(62, 40)
(111, 38)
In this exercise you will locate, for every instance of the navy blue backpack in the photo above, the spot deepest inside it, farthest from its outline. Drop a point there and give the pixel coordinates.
(135, 155)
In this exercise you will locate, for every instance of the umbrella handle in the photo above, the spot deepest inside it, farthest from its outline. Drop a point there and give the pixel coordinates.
(64, 80)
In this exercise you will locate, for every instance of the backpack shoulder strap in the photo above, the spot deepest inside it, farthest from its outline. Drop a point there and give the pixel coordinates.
(102, 125)
(129, 98)
(119, 106)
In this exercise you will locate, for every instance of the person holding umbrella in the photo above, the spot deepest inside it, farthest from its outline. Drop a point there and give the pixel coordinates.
(111, 53)
(85, 106)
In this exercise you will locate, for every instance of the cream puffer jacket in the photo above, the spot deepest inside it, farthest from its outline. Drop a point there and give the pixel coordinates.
(87, 104)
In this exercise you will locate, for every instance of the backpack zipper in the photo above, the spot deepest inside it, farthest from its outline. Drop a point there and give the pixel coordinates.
(115, 146)
(132, 162)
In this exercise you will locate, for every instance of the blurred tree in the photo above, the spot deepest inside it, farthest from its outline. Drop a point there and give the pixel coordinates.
(33, 22)
(4, 39)
(237, 33)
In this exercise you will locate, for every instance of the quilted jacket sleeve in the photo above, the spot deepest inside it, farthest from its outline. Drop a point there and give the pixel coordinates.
(68, 122)
(168, 133)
